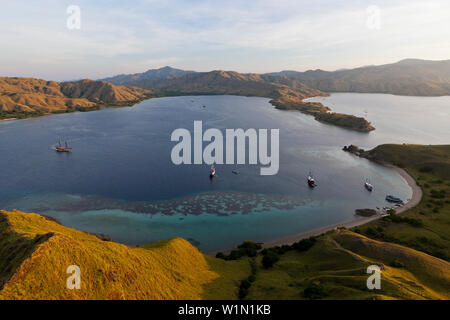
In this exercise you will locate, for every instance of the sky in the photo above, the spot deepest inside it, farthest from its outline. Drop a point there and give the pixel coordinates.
(116, 37)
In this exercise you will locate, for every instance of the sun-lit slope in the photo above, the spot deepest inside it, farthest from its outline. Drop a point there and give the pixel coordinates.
(28, 95)
(337, 263)
(102, 91)
(37, 252)
(431, 273)
(24, 97)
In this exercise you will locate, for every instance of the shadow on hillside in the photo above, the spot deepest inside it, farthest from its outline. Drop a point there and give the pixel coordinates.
(14, 249)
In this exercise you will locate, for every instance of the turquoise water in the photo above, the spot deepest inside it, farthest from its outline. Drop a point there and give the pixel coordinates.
(119, 179)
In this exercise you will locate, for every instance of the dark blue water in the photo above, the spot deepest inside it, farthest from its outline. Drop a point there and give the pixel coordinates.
(119, 179)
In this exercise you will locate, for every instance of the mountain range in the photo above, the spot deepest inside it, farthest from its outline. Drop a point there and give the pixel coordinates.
(161, 73)
(414, 77)
(23, 97)
(411, 77)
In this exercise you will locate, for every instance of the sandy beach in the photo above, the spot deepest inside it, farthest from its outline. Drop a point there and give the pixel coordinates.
(415, 199)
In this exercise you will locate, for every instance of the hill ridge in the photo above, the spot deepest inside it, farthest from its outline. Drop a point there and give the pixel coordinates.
(23, 97)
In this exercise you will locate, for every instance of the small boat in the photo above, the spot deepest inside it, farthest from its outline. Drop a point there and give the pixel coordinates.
(212, 172)
(368, 185)
(311, 182)
(204, 106)
(390, 198)
(60, 148)
(235, 171)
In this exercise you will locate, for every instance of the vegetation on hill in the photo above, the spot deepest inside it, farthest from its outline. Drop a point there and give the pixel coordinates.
(412, 249)
(28, 97)
(427, 226)
(410, 77)
(335, 267)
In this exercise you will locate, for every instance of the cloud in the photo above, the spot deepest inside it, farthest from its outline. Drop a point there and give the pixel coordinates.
(150, 33)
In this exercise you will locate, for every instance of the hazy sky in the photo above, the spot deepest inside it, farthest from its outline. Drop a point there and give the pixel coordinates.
(245, 36)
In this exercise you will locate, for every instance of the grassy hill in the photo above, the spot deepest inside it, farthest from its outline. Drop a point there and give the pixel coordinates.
(412, 77)
(427, 226)
(25, 97)
(335, 268)
(35, 253)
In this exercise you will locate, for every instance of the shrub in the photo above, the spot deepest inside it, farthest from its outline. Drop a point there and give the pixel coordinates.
(220, 255)
(270, 258)
(305, 244)
(243, 288)
(426, 169)
(391, 212)
(234, 255)
(437, 194)
(314, 291)
(249, 248)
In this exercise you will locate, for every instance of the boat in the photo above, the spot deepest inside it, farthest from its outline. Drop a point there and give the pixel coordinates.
(368, 185)
(60, 148)
(311, 182)
(212, 172)
(391, 198)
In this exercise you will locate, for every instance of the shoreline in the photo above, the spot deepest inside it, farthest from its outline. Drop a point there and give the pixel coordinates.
(414, 201)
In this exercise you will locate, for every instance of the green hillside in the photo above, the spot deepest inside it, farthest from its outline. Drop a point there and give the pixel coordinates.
(428, 227)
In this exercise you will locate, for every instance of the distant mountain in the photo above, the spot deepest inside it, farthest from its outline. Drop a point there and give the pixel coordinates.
(286, 93)
(407, 77)
(222, 82)
(161, 73)
(23, 97)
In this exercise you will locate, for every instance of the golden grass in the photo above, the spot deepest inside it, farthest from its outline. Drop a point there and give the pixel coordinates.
(172, 270)
(28, 95)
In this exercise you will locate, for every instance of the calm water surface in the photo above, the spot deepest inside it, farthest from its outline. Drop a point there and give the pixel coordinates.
(119, 179)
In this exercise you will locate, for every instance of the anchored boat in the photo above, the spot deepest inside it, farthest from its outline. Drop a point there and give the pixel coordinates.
(390, 198)
(60, 148)
(368, 185)
(311, 182)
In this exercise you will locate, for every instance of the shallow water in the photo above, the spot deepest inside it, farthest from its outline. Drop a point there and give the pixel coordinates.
(119, 179)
